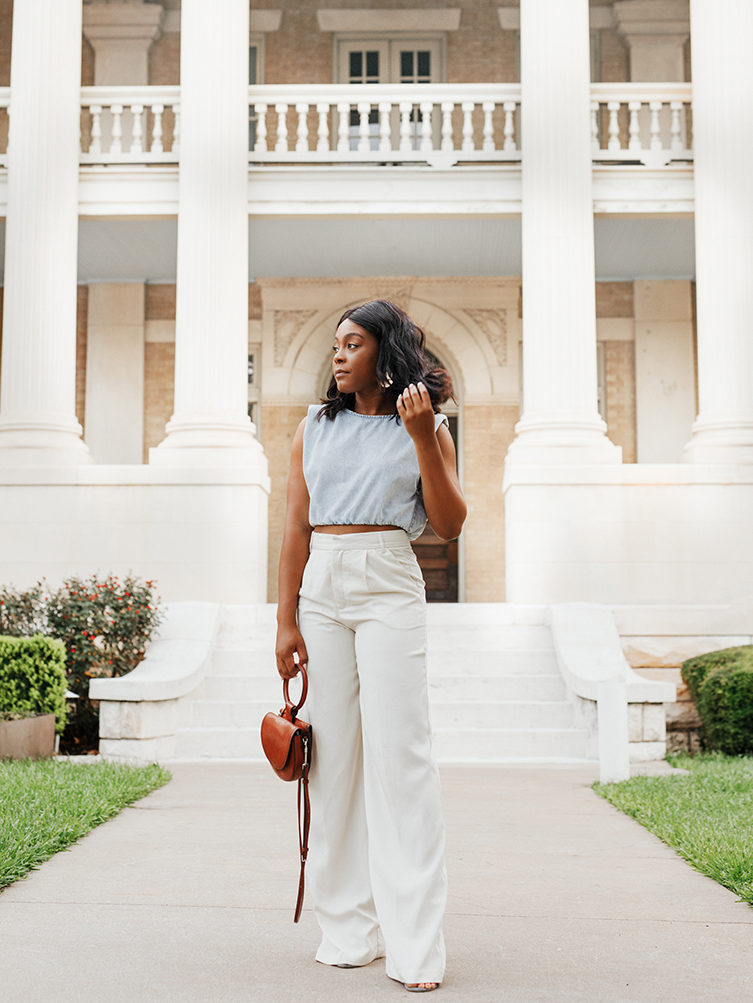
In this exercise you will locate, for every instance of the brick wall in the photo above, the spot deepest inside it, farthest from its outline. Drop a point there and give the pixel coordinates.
(279, 423)
(159, 366)
(615, 300)
(6, 27)
(300, 53)
(82, 320)
(620, 367)
(164, 60)
(487, 433)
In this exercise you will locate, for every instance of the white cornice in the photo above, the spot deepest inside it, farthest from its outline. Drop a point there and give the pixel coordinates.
(362, 19)
(261, 21)
(122, 20)
(599, 18)
(652, 17)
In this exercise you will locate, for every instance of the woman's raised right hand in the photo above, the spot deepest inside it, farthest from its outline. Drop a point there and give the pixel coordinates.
(290, 652)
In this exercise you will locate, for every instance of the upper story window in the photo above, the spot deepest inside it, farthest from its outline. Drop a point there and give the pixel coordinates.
(390, 61)
(403, 60)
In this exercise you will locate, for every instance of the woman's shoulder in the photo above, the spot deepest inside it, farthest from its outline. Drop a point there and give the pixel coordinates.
(440, 419)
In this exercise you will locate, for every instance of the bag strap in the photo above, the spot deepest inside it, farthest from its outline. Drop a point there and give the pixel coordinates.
(294, 708)
(303, 823)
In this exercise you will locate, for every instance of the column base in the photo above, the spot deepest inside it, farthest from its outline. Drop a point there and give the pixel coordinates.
(41, 444)
(556, 442)
(720, 442)
(210, 444)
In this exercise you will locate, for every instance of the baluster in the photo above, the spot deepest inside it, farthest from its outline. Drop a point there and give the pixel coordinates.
(676, 133)
(595, 145)
(322, 132)
(467, 107)
(302, 133)
(634, 108)
(95, 146)
(614, 125)
(363, 127)
(427, 143)
(343, 138)
(137, 131)
(405, 111)
(447, 145)
(281, 146)
(260, 146)
(509, 108)
(116, 146)
(488, 145)
(655, 107)
(157, 110)
(176, 129)
(385, 129)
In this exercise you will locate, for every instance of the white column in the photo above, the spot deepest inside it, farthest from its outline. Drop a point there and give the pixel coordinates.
(560, 417)
(38, 393)
(722, 40)
(211, 421)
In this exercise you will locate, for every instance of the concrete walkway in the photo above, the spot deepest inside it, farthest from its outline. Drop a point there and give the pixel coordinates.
(554, 896)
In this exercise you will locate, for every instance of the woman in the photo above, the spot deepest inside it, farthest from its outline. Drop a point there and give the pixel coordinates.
(367, 468)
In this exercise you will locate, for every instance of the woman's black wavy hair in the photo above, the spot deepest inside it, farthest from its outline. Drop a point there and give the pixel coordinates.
(401, 360)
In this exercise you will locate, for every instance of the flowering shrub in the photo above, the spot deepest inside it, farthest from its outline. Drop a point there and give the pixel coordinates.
(105, 625)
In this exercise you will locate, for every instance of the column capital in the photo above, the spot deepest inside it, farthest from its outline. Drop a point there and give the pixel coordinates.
(134, 20)
(121, 33)
(652, 17)
(656, 32)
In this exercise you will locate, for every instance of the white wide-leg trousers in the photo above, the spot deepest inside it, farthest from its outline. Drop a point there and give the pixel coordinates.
(376, 858)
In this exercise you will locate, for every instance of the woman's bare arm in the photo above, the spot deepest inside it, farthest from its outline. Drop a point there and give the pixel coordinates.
(443, 499)
(293, 557)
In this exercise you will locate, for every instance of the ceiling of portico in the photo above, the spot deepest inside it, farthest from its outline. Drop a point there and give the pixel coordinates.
(329, 247)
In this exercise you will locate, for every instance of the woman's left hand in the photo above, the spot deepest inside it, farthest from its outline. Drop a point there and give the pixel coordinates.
(416, 412)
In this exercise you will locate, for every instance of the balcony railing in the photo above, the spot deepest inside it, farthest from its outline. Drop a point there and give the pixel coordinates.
(649, 124)
(440, 125)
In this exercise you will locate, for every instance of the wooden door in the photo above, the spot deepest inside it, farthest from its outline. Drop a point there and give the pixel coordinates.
(439, 558)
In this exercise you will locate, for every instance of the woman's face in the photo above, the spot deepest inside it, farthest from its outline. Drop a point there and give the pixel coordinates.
(354, 359)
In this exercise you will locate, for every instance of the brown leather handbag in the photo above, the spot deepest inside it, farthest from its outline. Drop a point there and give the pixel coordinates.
(287, 744)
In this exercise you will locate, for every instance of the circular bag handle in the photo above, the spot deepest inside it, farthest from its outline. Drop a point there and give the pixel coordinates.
(294, 708)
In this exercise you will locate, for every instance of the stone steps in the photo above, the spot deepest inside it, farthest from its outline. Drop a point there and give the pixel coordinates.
(495, 692)
(497, 745)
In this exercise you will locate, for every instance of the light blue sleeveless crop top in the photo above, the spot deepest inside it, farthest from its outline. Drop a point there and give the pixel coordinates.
(362, 469)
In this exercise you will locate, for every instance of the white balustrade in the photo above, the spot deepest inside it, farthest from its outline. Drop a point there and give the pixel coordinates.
(641, 123)
(127, 124)
(440, 124)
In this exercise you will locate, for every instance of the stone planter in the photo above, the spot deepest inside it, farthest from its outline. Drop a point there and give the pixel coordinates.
(32, 737)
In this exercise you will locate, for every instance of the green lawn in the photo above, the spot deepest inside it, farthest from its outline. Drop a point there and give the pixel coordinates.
(706, 816)
(45, 805)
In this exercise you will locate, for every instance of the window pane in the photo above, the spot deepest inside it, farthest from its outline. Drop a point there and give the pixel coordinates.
(424, 64)
(252, 64)
(372, 65)
(356, 64)
(406, 64)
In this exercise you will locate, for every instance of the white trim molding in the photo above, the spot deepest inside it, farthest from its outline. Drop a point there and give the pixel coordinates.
(362, 20)
(260, 20)
(599, 18)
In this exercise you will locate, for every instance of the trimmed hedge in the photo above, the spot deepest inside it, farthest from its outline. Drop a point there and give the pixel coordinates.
(32, 678)
(721, 684)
